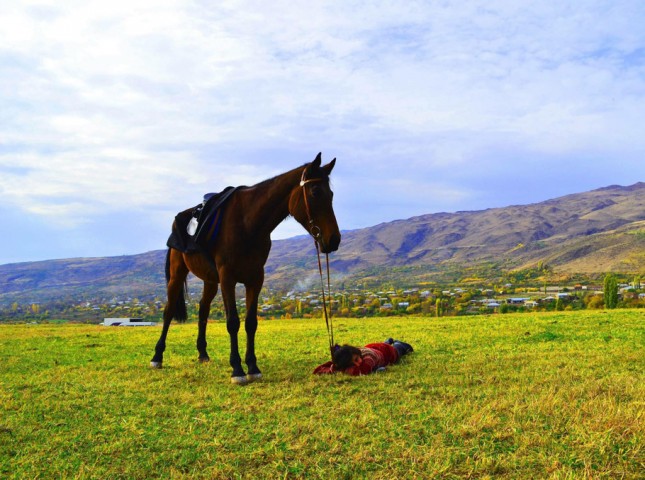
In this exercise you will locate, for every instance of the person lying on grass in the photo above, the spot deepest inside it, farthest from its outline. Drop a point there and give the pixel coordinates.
(361, 361)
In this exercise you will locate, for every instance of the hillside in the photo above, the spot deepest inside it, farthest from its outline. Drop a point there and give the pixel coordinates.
(593, 232)
(80, 278)
(590, 233)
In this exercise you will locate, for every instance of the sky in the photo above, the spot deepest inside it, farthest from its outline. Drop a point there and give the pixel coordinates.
(114, 116)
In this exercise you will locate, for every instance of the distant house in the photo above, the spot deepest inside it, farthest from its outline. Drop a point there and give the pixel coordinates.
(127, 322)
(516, 301)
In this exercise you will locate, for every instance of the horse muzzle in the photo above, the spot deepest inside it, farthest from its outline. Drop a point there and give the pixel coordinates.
(331, 245)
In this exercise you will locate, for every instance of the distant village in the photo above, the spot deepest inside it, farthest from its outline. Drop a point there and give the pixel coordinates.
(348, 302)
(454, 301)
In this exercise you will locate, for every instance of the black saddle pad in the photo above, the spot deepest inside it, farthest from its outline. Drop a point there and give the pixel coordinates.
(208, 215)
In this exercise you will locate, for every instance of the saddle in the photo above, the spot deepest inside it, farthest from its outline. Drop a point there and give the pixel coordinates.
(195, 229)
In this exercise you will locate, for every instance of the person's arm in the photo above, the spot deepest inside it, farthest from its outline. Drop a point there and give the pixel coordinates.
(325, 368)
(364, 368)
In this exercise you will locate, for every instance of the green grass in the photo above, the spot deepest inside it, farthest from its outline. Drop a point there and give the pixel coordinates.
(552, 395)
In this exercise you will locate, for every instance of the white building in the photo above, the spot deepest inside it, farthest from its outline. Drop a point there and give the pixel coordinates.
(127, 322)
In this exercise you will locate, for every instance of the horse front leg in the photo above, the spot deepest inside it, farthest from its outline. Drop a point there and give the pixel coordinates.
(251, 326)
(210, 290)
(233, 327)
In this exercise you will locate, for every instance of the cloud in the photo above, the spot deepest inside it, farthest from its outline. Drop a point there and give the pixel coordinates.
(145, 105)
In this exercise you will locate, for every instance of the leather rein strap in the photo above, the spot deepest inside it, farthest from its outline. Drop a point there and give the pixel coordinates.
(315, 232)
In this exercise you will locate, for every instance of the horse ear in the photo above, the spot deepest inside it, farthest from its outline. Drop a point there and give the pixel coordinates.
(329, 167)
(318, 160)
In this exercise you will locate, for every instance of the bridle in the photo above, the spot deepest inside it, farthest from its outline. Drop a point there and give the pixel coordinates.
(315, 232)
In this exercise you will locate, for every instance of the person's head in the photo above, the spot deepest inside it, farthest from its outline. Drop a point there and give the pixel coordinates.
(346, 356)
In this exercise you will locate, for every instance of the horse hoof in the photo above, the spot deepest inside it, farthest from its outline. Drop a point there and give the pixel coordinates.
(204, 359)
(154, 364)
(252, 377)
(239, 380)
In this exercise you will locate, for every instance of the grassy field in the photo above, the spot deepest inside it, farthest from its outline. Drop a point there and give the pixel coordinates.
(553, 395)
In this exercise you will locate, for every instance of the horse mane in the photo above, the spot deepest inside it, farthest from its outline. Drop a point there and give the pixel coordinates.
(272, 179)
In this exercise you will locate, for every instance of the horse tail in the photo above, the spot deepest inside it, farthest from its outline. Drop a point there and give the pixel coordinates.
(168, 266)
(180, 314)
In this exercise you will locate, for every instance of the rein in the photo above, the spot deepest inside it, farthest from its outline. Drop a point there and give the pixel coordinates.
(315, 232)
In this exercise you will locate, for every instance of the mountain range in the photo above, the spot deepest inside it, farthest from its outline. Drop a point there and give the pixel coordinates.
(586, 233)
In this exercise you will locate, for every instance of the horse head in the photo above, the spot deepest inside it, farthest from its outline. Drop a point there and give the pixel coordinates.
(310, 204)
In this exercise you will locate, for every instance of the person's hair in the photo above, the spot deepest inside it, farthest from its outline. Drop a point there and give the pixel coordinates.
(342, 357)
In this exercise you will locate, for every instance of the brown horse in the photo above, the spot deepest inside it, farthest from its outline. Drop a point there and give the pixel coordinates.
(240, 251)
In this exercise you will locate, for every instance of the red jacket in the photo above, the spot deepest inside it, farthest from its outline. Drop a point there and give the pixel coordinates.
(375, 355)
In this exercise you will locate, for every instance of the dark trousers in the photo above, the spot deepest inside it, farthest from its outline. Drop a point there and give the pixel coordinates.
(402, 348)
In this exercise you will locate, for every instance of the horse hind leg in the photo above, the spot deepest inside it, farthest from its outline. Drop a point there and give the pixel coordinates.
(210, 290)
(176, 272)
(160, 348)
